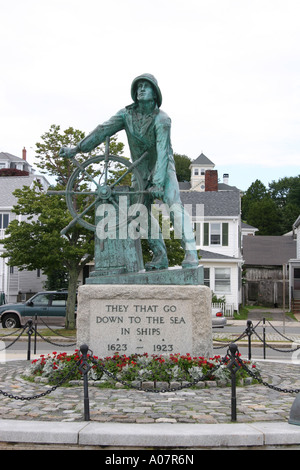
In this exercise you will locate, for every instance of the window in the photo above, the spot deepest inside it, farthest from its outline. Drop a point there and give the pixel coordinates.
(196, 171)
(4, 221)
(41, 299)
(215, 234)
(59, 300)
(206, 277)
(222, 280)
(296, 278)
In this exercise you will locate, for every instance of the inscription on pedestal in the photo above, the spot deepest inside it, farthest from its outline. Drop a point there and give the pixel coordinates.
(152, 327)
(153, 319)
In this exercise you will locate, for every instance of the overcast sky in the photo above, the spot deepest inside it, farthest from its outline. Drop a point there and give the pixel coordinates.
(229, 72)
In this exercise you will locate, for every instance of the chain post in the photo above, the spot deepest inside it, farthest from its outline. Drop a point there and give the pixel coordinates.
(35, 333)
(29, 333)
(264, 337)
(233, 366)
(84, 368)
(249, 331)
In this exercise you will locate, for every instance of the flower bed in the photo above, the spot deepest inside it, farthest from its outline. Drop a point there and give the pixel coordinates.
(134, 368)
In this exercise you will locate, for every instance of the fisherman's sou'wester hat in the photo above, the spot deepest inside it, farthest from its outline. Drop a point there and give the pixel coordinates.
(150, 78)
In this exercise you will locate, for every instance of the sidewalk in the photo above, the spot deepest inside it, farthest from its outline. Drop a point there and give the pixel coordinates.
(135, 437)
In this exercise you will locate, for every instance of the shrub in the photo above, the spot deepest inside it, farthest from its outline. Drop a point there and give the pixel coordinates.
(136, 367)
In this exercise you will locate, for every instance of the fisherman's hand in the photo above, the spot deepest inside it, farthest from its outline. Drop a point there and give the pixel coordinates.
(156, 191)
(68, 152)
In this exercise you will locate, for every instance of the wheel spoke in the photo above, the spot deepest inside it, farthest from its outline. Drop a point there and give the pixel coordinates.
(81, 168)
(130, 168)
(129, 193)
(106, 160)
(79, 216)
(88, 193)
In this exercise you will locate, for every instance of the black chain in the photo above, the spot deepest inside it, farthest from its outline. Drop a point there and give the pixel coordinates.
(281, 334)
(55, 344)
(47, 392)
(51, 329)
(227, 344)
(15, 340)
(266, 384)
(276, 349)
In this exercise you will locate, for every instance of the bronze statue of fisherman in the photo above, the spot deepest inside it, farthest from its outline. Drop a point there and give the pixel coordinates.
(148, 129)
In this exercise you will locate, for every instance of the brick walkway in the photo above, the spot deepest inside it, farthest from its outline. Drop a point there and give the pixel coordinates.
(205, 405)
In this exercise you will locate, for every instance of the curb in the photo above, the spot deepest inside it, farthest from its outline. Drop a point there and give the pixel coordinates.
(155, 436)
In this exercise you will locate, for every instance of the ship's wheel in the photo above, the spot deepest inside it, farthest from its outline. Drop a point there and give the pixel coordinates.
(101, 180)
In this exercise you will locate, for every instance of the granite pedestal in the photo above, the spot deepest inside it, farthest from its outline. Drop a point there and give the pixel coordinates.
(143, 318)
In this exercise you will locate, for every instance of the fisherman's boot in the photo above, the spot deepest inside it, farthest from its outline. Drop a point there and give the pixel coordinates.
(158, 248)
(190, 260)
(159, 261)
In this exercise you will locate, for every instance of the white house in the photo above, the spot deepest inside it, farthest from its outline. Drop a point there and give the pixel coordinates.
(294, 271)
(216, 216)
(16, 285)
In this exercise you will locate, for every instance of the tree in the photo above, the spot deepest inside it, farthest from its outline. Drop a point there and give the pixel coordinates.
(36, 242)
(256, 192)
(272, 210)
(286, 194)
(265, 215)
(182, 164)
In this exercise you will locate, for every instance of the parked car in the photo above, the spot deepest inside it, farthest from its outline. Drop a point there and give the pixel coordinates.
(218, 319)
(50, 306)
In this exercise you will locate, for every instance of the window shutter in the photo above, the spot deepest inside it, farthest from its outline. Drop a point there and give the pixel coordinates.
(206, 233)
(197, 233)
(225, 234)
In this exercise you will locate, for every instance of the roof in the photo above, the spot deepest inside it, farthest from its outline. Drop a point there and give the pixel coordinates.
(216, 256)
(10, 157)
(186, 185)
(215, 203)
(268, 250)
(296, 223)
(245, 225)
(10, 183)
(202, 160)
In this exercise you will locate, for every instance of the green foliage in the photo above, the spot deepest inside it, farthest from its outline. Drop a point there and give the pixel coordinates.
(36, 242)
(272, 210)
(182, 164)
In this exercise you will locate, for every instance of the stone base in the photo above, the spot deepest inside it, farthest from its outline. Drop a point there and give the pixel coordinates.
(153, 319)
(181, 276)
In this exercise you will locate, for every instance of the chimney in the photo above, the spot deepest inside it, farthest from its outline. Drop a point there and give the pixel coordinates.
(226, 178)
(211, 180)
(24, 153)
